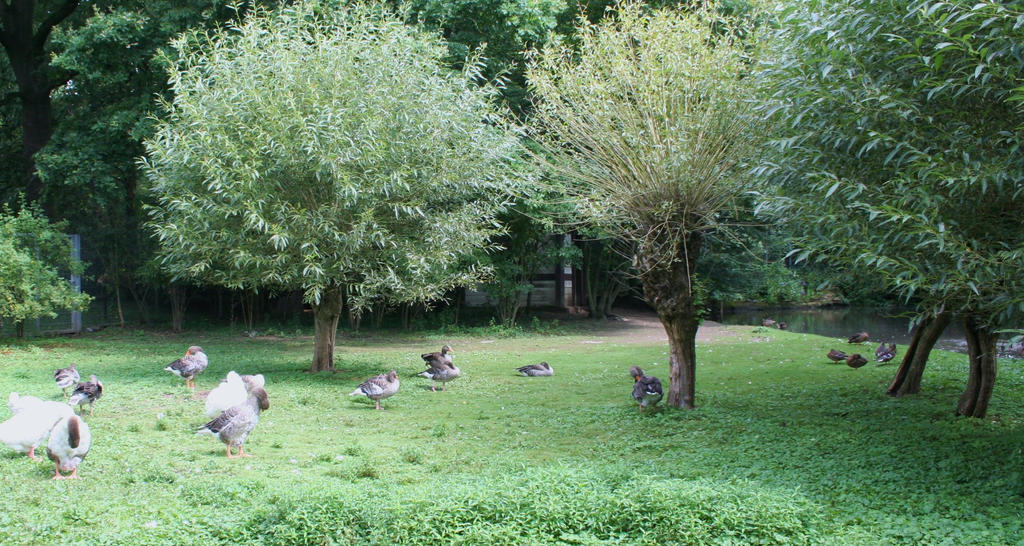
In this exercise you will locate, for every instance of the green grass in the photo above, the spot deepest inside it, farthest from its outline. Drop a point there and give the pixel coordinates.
(785, 447)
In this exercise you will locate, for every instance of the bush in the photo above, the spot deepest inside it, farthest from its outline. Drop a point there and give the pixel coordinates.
(555, 505)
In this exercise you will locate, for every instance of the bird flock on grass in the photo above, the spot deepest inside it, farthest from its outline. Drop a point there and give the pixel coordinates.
(236, 403)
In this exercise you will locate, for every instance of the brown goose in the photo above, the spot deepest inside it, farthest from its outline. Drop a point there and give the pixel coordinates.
(859, 337)
(646, 388)
(444, 356)
(856, 361)
(885, 353)
(66, 378)
(440, 372)
(69, 444)
(536, 370)
(86, 392)
(378, 387)
(836, 356)
(234, 425)
(190, 365)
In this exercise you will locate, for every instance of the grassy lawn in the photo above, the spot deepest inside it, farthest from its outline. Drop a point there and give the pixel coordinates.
(785, 447)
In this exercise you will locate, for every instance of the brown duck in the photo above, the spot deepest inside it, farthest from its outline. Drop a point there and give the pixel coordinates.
(856, 361)
(859, 337)
(837, 356)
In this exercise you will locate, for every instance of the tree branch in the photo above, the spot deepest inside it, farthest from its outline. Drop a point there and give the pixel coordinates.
(56, 16)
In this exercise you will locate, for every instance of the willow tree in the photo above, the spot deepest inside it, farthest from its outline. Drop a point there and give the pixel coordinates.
(327, 150)
(646, 122)
(901, 128)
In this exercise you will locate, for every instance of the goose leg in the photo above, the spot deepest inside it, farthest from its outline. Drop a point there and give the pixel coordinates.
(378, 404)
(74, 474)
(32, 453)
(242, 453)
(56, 473)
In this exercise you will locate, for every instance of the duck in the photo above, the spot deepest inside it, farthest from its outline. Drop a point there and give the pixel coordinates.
(767, 322)
(646, 388)
(69, 444)
(234, 424)
(885, 353)
(444, 356)
(836, 356)
(782, 325)
(66, 378)
(856, 361)
(30, 424)
(232, 391)
(442, 372)
(86, 392)
(190, 365)
(378, 387)
(536, 370)
(859, 337)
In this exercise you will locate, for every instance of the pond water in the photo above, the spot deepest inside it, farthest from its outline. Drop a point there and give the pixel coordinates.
(843, 321)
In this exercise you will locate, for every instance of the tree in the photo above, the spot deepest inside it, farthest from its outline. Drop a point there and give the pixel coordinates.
(33, 254)
(25, 28)
(900, 129)
(326, 149)
(647, 123)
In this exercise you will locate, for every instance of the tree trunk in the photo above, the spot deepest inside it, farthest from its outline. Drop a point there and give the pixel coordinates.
(682, 342)
(25, 44)
(981, 351)
(668, 286)
(325, 327)
(925, 335)
(178, 301)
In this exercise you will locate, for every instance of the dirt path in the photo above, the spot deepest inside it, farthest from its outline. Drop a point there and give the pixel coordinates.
(637, 326)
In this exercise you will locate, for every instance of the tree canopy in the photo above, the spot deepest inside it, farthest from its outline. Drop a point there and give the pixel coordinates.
(326, 150)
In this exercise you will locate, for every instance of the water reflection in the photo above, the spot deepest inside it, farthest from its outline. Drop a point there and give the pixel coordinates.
(842, 322)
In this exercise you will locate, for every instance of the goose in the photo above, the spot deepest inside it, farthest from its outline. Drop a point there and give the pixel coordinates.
(646, 388)
(885, 353)
(859, 337)
(190, 365)
(17, 403)
(69, 444)
(378, 387)
(445, 356)
(86, 392)
(66, 378)
(442, 372)
(232, 391)
(856, 361)
(836, 356)
(32, 420)
(536, 370)
(234, 425)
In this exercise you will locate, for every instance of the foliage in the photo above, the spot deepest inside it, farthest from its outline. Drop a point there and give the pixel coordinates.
(532, 241)
(501, 458)
(35, 257)
(312, 149)
(900, 125)
(506, 29)
(103, 113)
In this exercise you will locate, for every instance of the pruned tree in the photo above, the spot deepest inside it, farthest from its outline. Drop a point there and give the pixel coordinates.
(327, 150)
(647, 122)
(901, 125)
